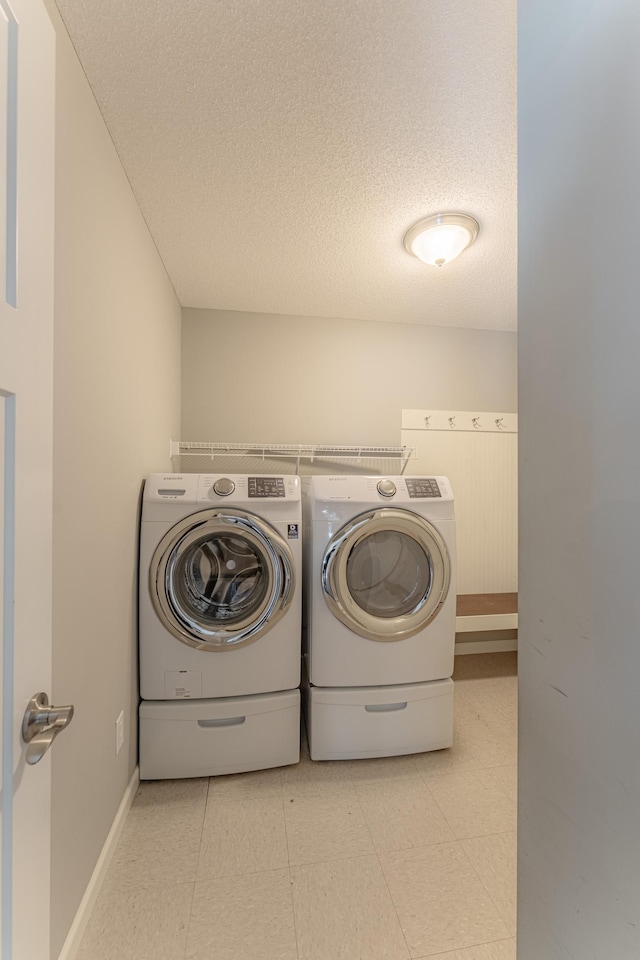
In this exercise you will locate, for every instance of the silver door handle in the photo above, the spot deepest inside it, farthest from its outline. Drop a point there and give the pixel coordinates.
(41, 725)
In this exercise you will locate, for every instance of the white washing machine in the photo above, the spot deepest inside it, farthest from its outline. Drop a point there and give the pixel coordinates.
(219, 623)
(380, 606)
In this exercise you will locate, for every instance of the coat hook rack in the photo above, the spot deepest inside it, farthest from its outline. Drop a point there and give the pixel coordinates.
(460, 421)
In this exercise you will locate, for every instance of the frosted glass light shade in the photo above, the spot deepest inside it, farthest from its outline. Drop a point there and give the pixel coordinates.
(438, 239)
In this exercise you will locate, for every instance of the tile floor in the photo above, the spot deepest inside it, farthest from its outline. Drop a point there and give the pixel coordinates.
(390, 859)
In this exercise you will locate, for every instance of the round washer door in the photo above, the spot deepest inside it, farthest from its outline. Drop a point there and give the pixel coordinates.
(221, 579)
(386, 574)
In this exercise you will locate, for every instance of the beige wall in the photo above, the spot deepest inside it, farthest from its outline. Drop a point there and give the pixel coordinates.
(262, 378)
(116, 405)
(579, 619)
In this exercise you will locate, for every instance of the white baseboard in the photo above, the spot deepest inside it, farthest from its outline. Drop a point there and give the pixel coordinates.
(486, 646)
(79, 925)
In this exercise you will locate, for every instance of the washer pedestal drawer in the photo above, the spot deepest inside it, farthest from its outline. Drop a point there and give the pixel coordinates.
(347, 723)
(204, 738)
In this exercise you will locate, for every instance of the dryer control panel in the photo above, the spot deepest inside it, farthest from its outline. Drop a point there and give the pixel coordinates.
(420, 487)
(434, 491)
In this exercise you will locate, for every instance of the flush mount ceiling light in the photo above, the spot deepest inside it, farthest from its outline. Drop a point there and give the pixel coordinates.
(441, 238)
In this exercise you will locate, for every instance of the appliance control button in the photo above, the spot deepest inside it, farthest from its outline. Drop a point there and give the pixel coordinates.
(223, 487)
(386, 488)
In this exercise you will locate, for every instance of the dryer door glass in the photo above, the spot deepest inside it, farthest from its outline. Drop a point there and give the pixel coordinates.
(221, 579)
(389, 574)
(386, 574)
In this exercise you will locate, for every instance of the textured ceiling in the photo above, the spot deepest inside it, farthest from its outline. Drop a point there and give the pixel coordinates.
(279, 149)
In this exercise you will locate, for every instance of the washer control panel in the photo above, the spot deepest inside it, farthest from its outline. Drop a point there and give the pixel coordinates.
(209, 489)
(422, 487)
(266, 487)
(240, 488)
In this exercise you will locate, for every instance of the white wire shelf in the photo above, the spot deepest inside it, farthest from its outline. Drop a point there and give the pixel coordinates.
(197, 457)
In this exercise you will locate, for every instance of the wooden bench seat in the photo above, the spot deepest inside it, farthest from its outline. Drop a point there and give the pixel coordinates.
(478, 613)
(486, 604)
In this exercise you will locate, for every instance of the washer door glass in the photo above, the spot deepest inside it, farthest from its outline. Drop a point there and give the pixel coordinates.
(221, 578)
(386, 574)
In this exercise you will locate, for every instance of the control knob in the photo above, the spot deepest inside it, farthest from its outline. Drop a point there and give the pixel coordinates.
(224, 486)
(387, 488)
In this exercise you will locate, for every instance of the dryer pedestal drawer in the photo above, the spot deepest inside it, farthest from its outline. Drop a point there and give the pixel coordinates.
(204, 738)
(355, 722)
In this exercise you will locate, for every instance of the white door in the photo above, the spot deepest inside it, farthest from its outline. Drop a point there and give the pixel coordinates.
(27, 78)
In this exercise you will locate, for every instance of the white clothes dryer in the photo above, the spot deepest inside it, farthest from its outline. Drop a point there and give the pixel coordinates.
(380, 597)
(220, 586)
(380, 579)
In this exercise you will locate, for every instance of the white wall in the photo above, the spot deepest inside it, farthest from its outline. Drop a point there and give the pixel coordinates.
(116, 405)
(264, 378)
(579, 621)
